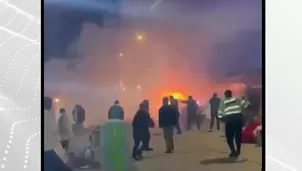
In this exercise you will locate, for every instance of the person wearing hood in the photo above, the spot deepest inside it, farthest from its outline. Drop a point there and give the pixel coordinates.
(64, 129)
(116, 111)
(51, 138)
(140, 125)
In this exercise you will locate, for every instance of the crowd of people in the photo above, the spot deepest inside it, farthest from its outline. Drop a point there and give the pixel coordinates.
(230, 111)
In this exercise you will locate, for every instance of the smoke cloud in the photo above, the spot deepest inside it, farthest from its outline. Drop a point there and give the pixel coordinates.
(184, 44)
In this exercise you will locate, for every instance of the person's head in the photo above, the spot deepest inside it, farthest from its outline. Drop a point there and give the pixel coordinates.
(228, 93)
(146, 102)
(62, 110)
(190, 98)
(165, 101)
(171, 98)
(116, 102)
(214, 94)
(141, 106)
(47, 103)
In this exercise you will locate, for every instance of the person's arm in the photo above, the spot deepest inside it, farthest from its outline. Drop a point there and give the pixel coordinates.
(122, 113)
(134, 120)
(109, 112)
(184, 101)
(243, 103)
(221, 109)
(176, 115)
(159, 118)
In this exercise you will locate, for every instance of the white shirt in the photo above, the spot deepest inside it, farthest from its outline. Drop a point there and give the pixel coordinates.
(64, 127)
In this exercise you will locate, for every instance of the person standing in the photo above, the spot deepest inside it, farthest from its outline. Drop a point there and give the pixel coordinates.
(192, 110)
(64, 129)
(116, 111)
(146, 141)
(174, 105)
(214, 105)
(140, 128)
(230, 110)
(167, 120)
(51, 137)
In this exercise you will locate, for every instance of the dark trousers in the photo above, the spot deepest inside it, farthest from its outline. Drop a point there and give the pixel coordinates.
(214, 116)
(193, 119)
(233, 130)
(146, 140)
(168, 137)
(137, 149)
(178, 129)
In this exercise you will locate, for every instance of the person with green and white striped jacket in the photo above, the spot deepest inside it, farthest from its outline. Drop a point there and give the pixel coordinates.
(230, 110)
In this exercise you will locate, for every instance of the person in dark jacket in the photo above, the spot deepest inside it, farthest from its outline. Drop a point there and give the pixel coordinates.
(116, 111)
(214, 105)
(167, 120)
(146, 141)
(192, 113)
(174, 105)
(140, 125)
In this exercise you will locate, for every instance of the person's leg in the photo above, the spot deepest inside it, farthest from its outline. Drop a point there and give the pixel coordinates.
(217, 122)
(212, 121)
(178, 126)
(229, 134)
(135, 147)
(166, 138)
(197, 121)
(189, 122)
(171, 139)
(238, 136)
(146, 142)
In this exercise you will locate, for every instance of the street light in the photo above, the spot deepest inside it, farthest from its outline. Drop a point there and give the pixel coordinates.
(139, 37)
(57, 100)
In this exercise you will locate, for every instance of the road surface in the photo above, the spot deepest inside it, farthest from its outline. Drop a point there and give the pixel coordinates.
(198, 151)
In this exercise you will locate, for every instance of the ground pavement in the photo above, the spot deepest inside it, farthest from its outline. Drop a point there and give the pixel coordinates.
(198, 151)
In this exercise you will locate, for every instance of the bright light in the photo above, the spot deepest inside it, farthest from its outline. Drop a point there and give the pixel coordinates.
(139, 87)
(179, 96)
(139, 37)
(121, 54)
(57, 100)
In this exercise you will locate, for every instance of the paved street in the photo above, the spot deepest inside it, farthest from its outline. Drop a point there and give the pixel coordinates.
(198, 151)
